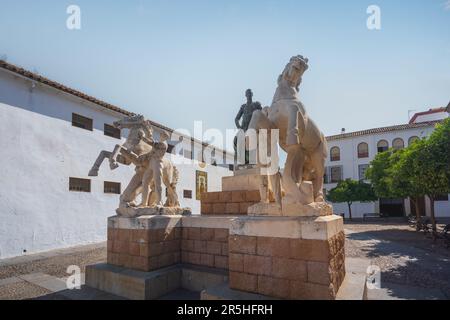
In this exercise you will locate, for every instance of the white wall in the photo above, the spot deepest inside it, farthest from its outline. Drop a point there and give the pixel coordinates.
(432, 117)
(40, 151)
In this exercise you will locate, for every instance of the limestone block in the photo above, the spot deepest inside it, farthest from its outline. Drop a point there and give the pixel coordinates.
(131, 212)
(314, 209)
(264, 209)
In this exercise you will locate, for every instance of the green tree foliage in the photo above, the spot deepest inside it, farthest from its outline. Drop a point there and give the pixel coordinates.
(431, 166)
(350, 191)
(421, 169)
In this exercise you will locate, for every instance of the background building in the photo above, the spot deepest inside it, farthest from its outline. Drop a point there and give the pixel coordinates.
(50, 136)
(349, 155)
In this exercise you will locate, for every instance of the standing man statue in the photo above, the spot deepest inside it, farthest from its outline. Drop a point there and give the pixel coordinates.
(245, 112)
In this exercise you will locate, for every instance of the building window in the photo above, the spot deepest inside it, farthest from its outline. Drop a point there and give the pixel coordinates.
(335, 154)
(412, 140)
(170, 148)
(111, 131)
(382, 146)
(335, 174)
(442, 197)
(187, 154)
(398, 144)
(111, 187)
(81, 122)
(79, 185)
(362, 168)
(326, 178)
(187, 194)
(363, 150)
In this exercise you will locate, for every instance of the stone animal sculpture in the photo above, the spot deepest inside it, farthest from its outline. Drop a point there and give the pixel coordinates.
(131, 152)
(299, 136)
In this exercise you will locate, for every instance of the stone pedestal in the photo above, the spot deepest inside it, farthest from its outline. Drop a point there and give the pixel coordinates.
(144, 243)
(239, 192)
(287, 257)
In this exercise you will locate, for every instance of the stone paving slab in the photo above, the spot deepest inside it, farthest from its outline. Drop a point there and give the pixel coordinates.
(393, 291)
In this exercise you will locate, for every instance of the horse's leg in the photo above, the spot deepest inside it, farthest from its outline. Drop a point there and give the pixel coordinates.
(290, 186)
(275, 181)
(318, 163)
(131, 192)
(102, 156)
(146, 180)
(157, 167)
(112, 158)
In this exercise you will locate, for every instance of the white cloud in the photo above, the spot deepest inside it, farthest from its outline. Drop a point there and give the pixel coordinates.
(447, 5)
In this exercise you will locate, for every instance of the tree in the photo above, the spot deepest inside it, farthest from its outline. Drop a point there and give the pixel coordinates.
(350, 191)
(431, 165)
(404, 178)
(379, 174)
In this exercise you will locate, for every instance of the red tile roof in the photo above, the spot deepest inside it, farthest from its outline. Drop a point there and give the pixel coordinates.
(431, 111)
(383, 130)
(35, 77)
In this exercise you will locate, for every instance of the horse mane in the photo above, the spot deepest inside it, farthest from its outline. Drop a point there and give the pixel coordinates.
(147, 129)
(289, 82)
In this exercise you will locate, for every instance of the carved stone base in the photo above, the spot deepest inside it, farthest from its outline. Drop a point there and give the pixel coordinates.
(315, 209)
(131, 212)
(264, 209)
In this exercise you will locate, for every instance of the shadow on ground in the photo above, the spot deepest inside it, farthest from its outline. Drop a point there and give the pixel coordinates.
(412, 266)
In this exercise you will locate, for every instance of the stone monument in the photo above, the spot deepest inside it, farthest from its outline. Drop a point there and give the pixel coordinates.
(302, 140)
(245, 113)
(152, 170)
(264, 236)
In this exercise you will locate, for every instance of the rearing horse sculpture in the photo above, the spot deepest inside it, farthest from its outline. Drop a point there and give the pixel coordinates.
(299, 136)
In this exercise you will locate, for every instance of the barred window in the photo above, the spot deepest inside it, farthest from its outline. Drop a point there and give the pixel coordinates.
(362, 168)
(335, 174)
(382, 146)
(412, 140)
(81, 122)
(79, 185)
(335, 154)
(111, 187)
(363, 150)
(398, 144)
(187, 194)
(111, 131)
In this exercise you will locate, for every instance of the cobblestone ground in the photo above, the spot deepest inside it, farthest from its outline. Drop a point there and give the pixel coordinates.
(56, 265)
(412, 266)
(405, 257)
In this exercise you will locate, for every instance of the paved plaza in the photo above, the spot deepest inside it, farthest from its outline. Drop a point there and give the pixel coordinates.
(412, 266)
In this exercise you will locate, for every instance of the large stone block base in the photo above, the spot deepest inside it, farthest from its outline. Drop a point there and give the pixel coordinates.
(287, 257)
(139, 285)
(354, 286)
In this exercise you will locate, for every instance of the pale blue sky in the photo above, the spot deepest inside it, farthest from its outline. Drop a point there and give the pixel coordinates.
(180, 61)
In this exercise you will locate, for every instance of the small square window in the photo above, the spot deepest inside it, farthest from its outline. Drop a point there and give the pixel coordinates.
(111, 187)
(111, 131)
(187, 194)
(81, 122)
(79, 185)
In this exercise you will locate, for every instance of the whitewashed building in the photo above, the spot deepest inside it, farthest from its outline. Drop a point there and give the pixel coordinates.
(349, 155)
(50, 136)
